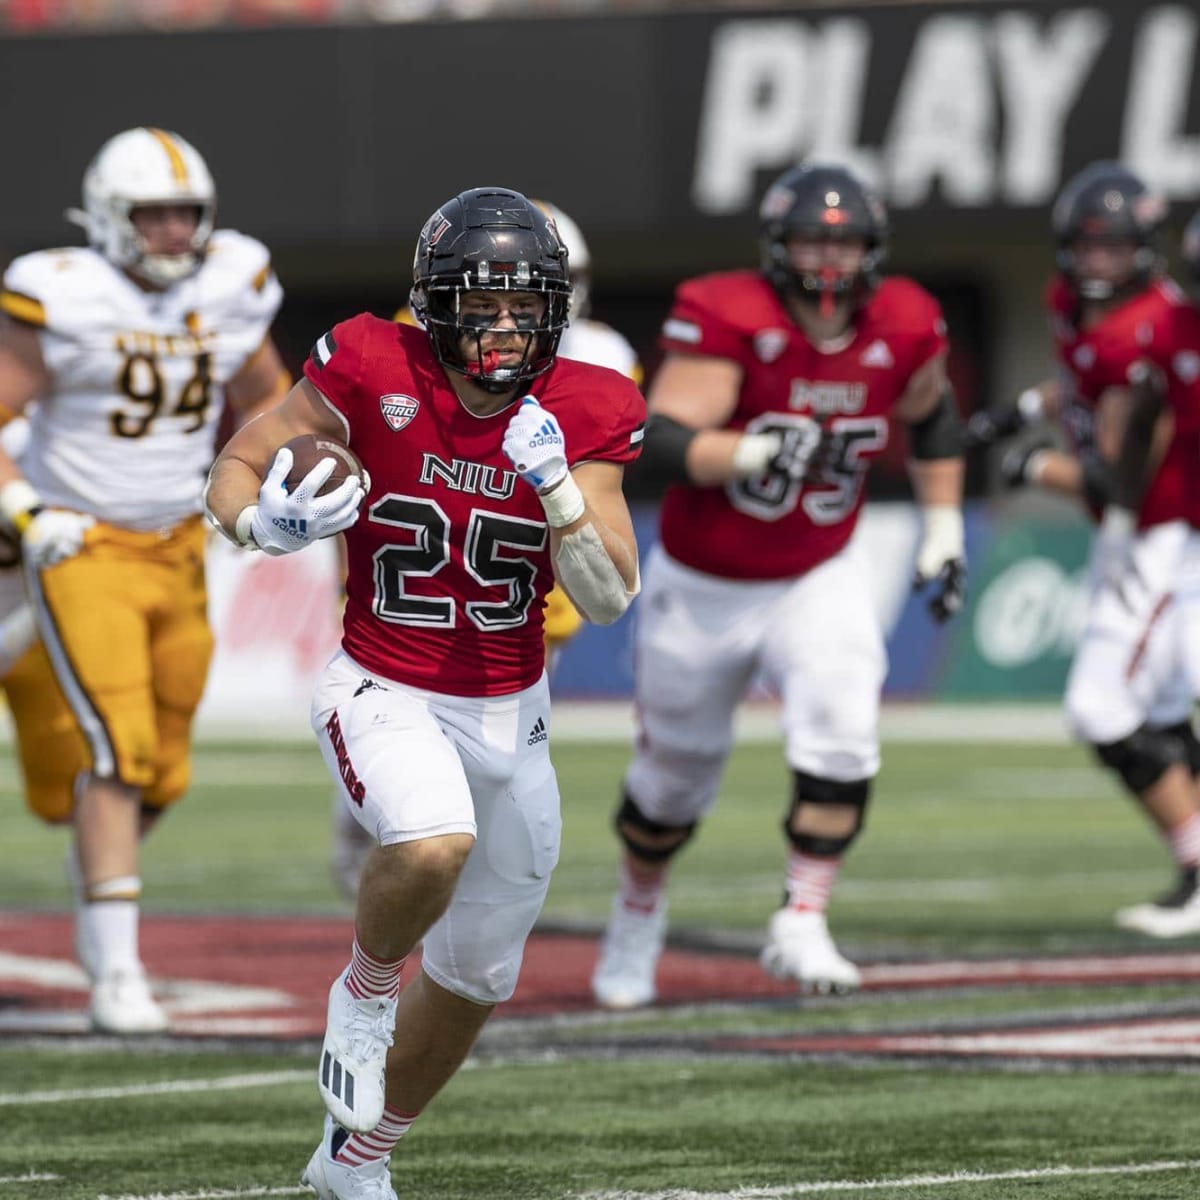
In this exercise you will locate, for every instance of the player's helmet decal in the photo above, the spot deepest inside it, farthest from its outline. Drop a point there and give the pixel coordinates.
(490, 239)
(828, 201)
(1108, 201)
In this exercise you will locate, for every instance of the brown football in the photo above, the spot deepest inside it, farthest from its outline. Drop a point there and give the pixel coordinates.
(308, 450)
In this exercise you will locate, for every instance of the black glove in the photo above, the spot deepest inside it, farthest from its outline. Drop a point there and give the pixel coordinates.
(989, 426)
(797, 447)
(949, 590)
(986, 427)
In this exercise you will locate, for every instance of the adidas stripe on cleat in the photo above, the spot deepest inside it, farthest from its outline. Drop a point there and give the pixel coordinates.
(350, 1075)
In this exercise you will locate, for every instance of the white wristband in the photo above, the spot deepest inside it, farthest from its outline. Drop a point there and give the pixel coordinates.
(753, 453)
(1118, 522)
(1031, 404)
(943, 523)
(241, 528)
(1036, 464)
(564, 503)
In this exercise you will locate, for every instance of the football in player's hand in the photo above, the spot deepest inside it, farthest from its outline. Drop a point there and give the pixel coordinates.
(308, 450)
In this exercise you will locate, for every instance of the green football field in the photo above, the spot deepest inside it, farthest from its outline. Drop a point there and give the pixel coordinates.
(971, 851)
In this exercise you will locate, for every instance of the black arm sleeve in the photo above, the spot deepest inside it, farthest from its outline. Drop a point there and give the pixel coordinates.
(664, 450)
(1131, 472)
(1097, 479)
(941, 434)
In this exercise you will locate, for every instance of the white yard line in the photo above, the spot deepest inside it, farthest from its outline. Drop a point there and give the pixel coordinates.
(32, 1177)
(824, 1187)
(226, 1083)
(784, 1192)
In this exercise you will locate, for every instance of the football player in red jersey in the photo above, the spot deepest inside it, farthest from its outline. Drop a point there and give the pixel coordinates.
(1126, 335)
(778, 388)
(495, 468)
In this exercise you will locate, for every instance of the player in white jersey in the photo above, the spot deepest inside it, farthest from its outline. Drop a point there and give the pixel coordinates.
(131, 346)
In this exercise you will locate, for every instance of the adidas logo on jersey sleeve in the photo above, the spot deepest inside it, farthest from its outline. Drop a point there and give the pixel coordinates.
(877, 354)
(538, 733)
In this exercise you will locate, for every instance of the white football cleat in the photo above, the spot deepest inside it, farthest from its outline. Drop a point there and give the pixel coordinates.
(350, 1075)
(122, 1003)
(629, 952)
(332, 1180)
(799, 948)
(1176, 914)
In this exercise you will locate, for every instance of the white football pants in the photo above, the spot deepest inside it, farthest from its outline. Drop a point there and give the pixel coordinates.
(698, 642)
(414, 764)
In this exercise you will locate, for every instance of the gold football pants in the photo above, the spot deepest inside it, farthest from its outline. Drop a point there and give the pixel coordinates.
(124, 626)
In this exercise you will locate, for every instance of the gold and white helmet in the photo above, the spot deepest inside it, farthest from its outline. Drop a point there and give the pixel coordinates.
(138, 167)
(579, 258)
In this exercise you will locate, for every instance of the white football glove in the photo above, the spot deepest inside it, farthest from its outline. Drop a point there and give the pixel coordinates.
(48, 535)
(284, 521)
(54, 534)
(535, 445)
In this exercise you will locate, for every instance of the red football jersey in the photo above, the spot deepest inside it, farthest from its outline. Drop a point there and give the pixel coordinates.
(449, 563)
(1157, 324)
(773, 528)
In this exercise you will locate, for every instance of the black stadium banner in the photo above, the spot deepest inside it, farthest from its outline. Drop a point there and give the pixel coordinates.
(644, 127)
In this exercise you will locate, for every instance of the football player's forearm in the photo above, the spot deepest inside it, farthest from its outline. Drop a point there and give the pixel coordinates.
(232, 487)
(597, 567)
(675, 453)
(1058, 472)
(937, 482)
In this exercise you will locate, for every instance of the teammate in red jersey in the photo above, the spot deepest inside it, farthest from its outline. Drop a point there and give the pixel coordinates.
(778, 388)
(494, 470)
(1125, 333)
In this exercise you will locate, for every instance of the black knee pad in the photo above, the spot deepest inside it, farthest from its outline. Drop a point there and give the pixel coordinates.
(630, 815)
(809, 789)
(1191, 743)
(1144, 756)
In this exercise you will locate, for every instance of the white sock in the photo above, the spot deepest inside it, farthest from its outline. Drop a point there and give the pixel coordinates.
(108, 926)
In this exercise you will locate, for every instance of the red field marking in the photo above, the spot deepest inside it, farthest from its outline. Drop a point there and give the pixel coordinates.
(200, 963)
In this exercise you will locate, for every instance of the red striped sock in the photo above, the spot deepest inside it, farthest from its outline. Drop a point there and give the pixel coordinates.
(641, 884)
(360, 1148)
(1185, 841)
(371, 976)
(810, 880)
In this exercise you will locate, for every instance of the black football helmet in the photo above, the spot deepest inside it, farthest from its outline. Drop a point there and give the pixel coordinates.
(1107, 201)
(821, 200)
(490, 239)
(1190, 248)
